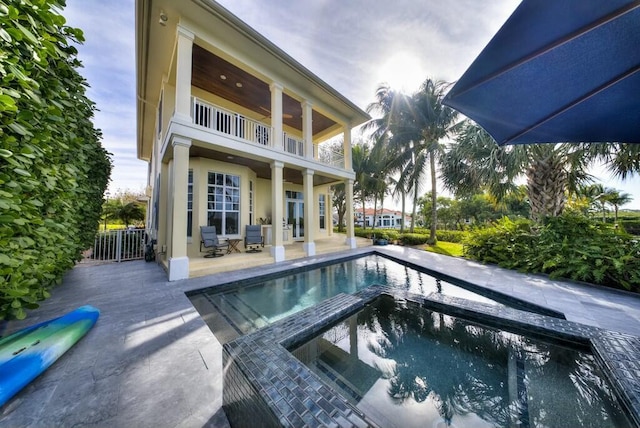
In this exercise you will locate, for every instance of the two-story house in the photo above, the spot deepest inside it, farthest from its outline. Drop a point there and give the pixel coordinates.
(235, 132)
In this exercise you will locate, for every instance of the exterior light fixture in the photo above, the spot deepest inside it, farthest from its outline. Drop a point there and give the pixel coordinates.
(163, 18)
(223, 77)
(239, 85)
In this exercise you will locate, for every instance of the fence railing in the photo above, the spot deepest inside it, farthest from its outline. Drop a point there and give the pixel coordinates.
(229, 123)
(119, 245)
(330, 157)
(292, 144)
(234, 124)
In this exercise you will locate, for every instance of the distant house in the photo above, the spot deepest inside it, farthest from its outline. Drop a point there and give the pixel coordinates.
(384, 218)
(233, 130)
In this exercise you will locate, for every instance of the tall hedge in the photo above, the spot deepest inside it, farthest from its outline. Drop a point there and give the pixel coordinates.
(567, 246)
(53, 168)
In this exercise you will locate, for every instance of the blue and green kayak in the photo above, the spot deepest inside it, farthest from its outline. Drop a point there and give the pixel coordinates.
(30, 351)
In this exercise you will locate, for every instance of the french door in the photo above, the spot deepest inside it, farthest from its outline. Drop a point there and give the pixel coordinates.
(295, 214)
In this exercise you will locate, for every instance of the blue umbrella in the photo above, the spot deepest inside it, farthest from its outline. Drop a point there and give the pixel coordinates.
(558, 71)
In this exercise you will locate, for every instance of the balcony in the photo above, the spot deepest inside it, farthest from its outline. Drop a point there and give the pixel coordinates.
(234, 124)
(229, 123)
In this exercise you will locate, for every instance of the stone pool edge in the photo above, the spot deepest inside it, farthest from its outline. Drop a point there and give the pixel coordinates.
(265, 384)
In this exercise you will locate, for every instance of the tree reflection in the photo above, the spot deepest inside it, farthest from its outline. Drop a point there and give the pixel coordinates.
(464, 369)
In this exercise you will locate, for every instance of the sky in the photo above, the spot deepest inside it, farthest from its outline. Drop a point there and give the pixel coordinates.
(352, 45)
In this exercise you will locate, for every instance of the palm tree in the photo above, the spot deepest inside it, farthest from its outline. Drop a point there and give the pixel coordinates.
(551, 170)
(617, 199)
(413, 127)
(388, 108)
(591, 194)
(434, 120)
(339, 202)
(365, 184)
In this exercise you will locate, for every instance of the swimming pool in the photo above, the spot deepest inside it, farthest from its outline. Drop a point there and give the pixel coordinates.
(444, 359)
(405, 366)
(250, 306)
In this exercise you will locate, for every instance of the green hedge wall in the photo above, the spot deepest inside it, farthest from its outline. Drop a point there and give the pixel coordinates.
(53, 169)
(564, 247)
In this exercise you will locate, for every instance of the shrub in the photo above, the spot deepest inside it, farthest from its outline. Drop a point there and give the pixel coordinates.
(631, 226)
(413, 239)
(456, 236)
(570, 247)
(53, 170)
(505, 244)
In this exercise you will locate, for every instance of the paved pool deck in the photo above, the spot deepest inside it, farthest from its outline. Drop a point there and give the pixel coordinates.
(151, 361)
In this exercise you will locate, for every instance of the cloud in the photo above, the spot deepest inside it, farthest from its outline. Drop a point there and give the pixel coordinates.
(108, 57)
(345, 43)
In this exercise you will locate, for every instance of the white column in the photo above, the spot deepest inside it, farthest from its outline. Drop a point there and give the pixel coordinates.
(351, 237)
(276, 115)
(328, 212)
(163, 196)
(310, 219)
(179, 262)
(307, 128)
(346, 145)
(183, 73)
(277, 206)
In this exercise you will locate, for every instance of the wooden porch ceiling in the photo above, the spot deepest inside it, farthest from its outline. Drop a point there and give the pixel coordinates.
(262, 169)
(253, 94)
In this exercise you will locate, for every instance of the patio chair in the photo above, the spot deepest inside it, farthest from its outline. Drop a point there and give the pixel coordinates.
(209, 240)
(253, 238)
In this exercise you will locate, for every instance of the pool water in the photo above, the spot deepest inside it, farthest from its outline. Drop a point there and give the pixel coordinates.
(251, 307)
(405, 366)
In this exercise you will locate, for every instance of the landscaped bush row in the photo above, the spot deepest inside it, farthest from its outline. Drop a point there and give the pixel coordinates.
(53, 170)
(631, 226)
(564, 247)
(419, 237)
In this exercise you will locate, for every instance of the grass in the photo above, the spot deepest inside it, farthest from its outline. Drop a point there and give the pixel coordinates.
(446, 248)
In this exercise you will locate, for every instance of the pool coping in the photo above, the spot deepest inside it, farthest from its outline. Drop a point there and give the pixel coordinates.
(296, 268)
(264, 381)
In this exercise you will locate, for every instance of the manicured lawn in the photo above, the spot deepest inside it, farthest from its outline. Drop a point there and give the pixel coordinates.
(446, 248)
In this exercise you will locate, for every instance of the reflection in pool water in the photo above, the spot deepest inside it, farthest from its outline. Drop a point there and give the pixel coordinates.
(406, 366)
(254, 306)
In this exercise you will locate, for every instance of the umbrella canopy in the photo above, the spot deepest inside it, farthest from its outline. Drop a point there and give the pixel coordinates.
(558, 71)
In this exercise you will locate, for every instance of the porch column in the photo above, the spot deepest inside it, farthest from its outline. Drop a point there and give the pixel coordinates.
(346, 146)
(309, 213)
(163, 200)
(307, 129)
(328, 212)
(184, 50)
(179, 262)
(351, 237)
(277, 206)
(276, 117)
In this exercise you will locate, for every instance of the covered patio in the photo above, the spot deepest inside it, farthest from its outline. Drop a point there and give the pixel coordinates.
(201, 266)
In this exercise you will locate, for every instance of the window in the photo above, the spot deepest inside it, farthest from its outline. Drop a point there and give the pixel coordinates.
(321, 211)
(190, 204)
(223, 203)
(250, 202)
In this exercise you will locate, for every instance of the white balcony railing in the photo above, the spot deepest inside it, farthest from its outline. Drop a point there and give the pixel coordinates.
(292, 144)
(229, 123)
(329, 157)
(234, 124)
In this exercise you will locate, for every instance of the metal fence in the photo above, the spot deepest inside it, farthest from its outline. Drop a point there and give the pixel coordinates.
(119, 245)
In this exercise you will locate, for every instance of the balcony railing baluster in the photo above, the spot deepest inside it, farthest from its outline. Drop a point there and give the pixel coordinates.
(231, 123)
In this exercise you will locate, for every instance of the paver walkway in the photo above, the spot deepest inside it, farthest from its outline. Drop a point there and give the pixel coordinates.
(151, 361)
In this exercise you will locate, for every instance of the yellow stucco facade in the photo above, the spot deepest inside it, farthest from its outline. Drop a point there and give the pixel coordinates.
(236, 132)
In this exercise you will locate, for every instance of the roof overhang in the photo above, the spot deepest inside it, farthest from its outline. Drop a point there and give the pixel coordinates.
(216, 26)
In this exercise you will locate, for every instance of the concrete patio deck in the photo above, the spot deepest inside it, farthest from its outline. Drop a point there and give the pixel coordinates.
(236, 261)
(151, 361)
